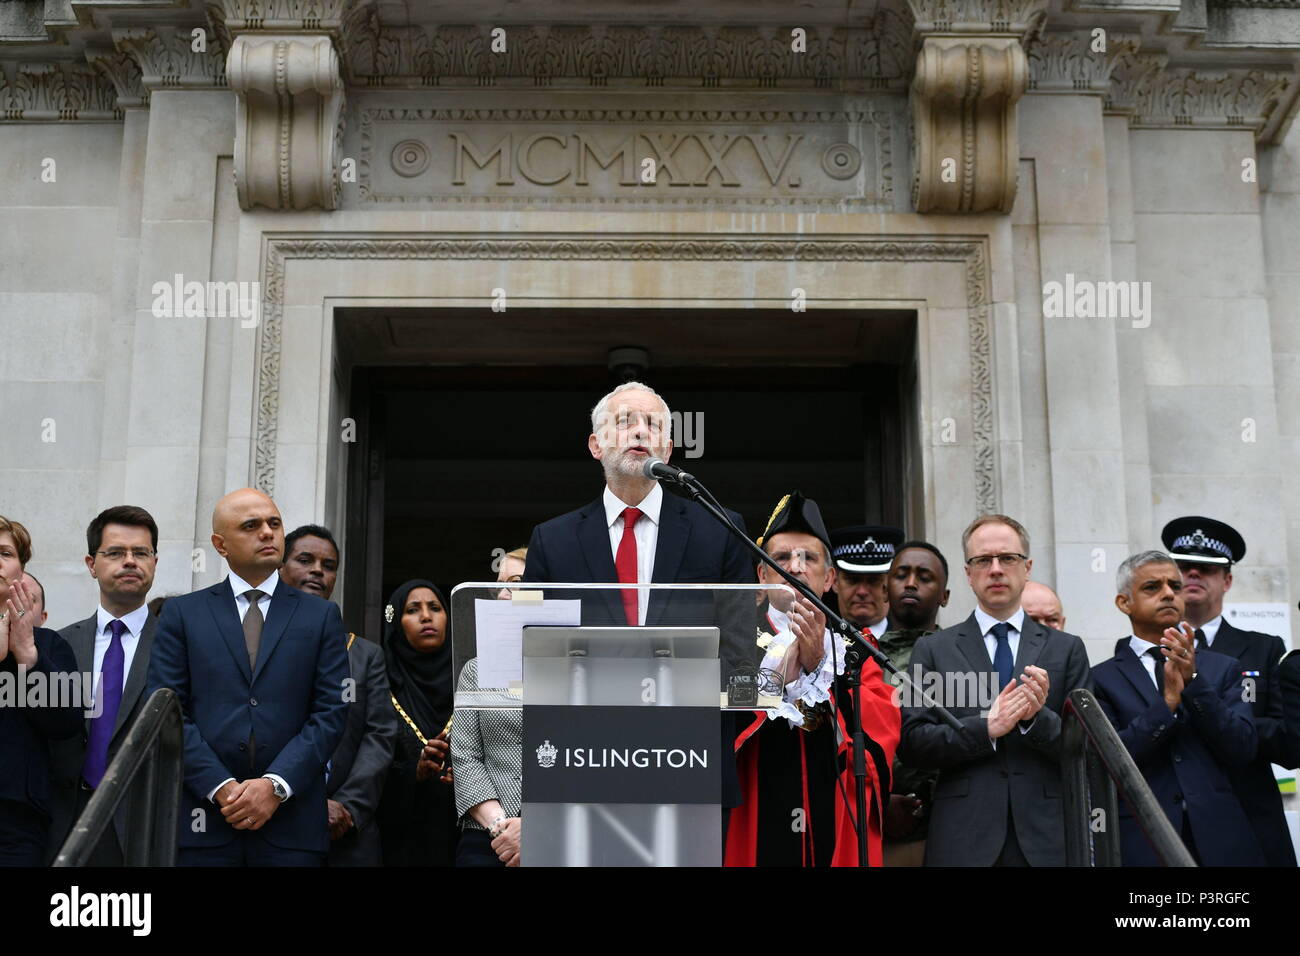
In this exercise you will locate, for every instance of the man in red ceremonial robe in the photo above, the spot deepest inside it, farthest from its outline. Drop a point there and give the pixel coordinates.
(796, 764)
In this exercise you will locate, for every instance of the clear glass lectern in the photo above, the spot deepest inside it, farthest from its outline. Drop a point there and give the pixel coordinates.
(624, 740)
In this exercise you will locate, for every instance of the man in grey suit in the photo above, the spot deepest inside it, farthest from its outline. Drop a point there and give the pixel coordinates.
(998, 799)
(359, 767)
(112, 644)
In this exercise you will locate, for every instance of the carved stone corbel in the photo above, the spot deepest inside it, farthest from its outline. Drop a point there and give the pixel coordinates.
(289, 103)
(971, 69)
(964, 98)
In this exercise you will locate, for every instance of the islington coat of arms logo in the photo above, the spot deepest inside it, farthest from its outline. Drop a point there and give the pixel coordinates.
(546, 754)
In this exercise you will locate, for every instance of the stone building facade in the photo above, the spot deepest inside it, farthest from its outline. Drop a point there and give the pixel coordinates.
(1088, 212)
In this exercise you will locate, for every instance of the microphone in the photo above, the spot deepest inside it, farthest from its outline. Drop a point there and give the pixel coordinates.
(659, 470)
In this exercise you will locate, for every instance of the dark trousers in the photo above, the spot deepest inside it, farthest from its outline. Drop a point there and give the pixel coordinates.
(1011, 854)
(23, 834)
(248, 848)
(475, 849)
(108, 851)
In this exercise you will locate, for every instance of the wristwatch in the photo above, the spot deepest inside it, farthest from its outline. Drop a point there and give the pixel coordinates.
(278, 789)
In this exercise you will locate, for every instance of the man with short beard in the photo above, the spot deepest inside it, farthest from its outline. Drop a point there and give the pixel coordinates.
(633, 534)
(356, 773)
(1180, 713)
(114, 645)
(917, 586)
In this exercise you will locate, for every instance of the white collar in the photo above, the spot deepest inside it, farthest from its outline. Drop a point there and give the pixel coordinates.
(1139, 646)
(649, 506)
(1211, 628)
(267, 587)
(986, 620)
(134, 621)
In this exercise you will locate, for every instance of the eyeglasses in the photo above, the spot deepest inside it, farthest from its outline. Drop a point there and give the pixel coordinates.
(119, 554)
(982, 562)
(809, 559)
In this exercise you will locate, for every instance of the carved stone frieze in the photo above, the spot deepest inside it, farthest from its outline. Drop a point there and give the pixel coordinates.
(1183, 97)
(622, 54)
(1079, 61)
(168, 58)
(55, 91)
(1012, 17)
(123, 72)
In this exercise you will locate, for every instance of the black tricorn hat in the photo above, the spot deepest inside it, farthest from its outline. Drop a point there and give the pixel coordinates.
(794, 512)
(865, 548)
(1204, 540)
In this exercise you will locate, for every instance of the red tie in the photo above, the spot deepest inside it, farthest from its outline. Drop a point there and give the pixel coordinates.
(625, 563)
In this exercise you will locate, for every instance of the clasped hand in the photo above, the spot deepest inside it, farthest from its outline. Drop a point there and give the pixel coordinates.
(1019, 701)
(248, 804)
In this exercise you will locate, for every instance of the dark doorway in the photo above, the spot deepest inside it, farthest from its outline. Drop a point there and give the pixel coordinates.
(457, 463)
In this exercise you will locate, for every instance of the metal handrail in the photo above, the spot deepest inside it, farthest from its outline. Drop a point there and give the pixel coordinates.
(1093, 762)
(148, 768)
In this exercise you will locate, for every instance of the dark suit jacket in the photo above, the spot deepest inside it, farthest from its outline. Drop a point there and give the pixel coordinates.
(1255, 785)
(978, 783)
(1188, 757)
(361, 760)
(292, 705)
(692, 548)
(69, 755)
(1289, 684)
(26, 732)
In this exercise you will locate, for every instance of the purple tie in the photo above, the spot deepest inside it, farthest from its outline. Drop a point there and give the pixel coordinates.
(110, 690)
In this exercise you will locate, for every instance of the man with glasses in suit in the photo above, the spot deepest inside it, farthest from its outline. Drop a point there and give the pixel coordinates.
(113, 644)
(998, 799)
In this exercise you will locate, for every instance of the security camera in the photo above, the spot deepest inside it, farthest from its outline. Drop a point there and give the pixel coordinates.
(628, 362)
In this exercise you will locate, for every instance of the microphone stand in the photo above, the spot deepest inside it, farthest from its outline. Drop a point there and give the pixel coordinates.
(688, 486)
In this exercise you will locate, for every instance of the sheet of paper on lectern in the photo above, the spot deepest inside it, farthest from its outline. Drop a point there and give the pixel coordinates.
(500, 634)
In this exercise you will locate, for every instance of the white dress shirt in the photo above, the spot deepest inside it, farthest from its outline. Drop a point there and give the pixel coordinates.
(240, 587)
(986, 622)
(1017, 621)
(646, 533)
(134, 622)
(1140, 648)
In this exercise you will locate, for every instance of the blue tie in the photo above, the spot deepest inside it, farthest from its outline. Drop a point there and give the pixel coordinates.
(1002, 659)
